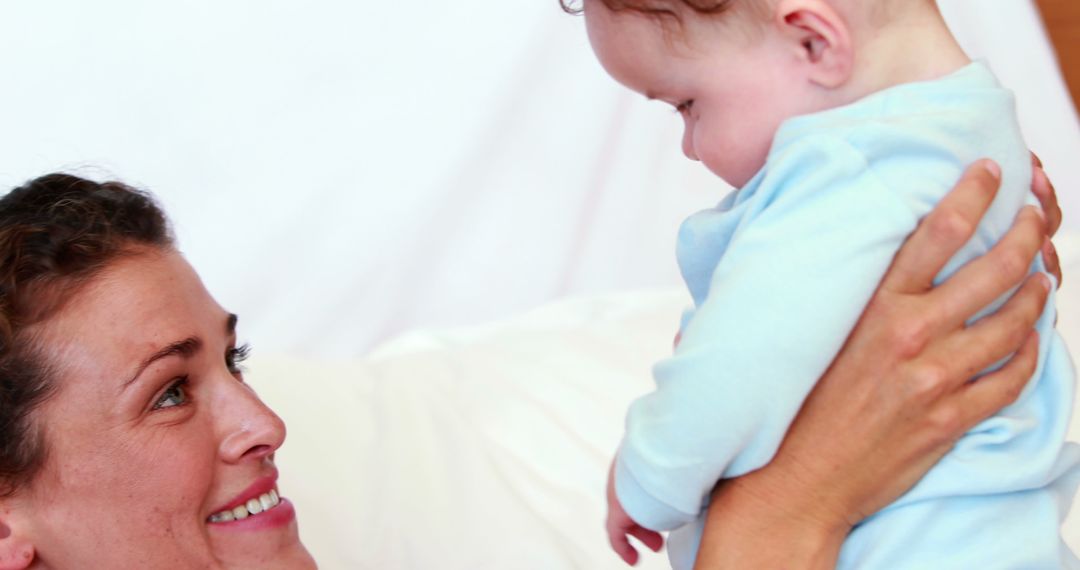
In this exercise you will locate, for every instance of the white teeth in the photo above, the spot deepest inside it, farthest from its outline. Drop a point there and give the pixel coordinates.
(253, 507)
(223, 516)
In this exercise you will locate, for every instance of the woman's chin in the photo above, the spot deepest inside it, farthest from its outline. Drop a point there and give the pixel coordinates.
(291, 556)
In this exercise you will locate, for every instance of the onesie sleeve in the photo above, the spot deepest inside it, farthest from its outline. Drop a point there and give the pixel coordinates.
(810, 248)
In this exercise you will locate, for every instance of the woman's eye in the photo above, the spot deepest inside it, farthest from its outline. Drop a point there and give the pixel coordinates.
(234, 356)
(175, 395)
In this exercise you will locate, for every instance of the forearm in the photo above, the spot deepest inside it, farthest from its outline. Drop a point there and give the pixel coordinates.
(754, 522)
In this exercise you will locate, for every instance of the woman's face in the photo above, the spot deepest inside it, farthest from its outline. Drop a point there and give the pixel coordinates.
(152, 432)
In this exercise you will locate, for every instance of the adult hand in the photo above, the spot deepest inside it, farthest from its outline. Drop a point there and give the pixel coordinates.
(1044, 191)
(897, 396)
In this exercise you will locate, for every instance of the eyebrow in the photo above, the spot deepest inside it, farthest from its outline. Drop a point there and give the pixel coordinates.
(184, 348)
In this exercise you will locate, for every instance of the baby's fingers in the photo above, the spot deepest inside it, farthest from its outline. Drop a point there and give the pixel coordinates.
(621, 545)
(651, 539)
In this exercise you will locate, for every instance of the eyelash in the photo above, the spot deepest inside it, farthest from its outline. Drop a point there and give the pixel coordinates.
(233, 358)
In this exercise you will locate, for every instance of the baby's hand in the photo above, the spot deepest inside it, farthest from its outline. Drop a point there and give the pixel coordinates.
(619, 525)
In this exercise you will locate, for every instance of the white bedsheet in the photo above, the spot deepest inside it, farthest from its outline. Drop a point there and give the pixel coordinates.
(486, 447)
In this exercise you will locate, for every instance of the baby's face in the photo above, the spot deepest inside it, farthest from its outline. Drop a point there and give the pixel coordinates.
(731, 91)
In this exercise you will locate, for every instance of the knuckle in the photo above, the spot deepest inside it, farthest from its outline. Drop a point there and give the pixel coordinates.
(1012, 392)
(1012, 264)
(1018, 332)
(1020, 326)
(951, 226)
(947, 423)
(1027, 370)
(928, 381)
(1016, 325)
(910, 337)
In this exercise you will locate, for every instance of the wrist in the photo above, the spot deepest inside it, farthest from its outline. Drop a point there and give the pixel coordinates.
(793, 503)
(763, 520)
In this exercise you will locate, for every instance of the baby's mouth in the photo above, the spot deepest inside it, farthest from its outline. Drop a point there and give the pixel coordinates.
(252, 508)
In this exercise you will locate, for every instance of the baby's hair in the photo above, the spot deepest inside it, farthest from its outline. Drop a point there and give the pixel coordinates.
(673, 13)
(876, 12)
(658, 8)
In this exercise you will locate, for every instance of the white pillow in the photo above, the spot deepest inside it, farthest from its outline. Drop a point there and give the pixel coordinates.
(479, 448)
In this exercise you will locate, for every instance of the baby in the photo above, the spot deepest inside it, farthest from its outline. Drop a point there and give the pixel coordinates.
(842, 123)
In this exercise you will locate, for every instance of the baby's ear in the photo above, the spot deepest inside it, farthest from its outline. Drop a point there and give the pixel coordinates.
(16, 552)
(821, 39)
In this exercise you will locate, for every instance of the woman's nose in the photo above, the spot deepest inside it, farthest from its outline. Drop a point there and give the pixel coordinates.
(250, 430)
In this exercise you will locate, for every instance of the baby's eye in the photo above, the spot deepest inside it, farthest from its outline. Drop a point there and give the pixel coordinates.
(684, 107)
(175, 395)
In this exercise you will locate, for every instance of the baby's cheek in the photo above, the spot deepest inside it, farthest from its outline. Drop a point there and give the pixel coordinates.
(726, 164)
(736, 157)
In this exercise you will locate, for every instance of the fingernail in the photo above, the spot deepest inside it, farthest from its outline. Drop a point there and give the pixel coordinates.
(993, 168)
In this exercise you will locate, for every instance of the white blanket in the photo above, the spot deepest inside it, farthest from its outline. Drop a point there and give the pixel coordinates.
(485, 447)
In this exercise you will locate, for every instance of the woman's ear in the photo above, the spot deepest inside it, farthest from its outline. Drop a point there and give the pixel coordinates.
(16, 552)
(821, 39)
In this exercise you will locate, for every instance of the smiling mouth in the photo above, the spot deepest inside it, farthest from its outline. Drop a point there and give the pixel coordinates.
(252, 508)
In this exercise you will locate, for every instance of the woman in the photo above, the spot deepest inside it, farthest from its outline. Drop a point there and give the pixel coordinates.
(129, 440)
(129, 437)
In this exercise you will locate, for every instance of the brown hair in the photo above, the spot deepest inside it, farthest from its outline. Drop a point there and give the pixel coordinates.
(56, 233)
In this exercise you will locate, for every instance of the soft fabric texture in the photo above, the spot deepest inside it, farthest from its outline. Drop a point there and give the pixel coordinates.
(780, 273)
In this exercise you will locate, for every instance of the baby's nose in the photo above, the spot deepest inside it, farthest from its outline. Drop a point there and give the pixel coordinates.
(688, 147)
(688, 138)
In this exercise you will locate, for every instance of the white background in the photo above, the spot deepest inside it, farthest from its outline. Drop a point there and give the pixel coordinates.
(341, 171)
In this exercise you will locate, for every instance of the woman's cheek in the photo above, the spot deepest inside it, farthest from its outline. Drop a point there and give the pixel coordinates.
(178, 459)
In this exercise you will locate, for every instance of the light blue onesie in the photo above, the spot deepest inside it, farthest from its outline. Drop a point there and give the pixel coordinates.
(780, 272)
